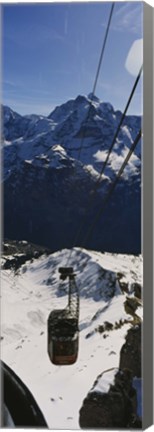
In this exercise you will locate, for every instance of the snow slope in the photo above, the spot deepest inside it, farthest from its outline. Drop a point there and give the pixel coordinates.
(27, 299)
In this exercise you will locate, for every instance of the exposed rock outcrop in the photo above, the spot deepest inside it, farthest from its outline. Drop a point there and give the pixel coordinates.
(137, 289)
(130, 355)
(114, 400)
(111, 403)
(131, 305)
(16, 253)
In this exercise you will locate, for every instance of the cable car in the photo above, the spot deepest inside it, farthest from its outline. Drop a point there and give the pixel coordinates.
(63, 331)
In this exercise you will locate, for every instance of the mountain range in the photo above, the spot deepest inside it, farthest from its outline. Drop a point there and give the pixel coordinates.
(51, 166)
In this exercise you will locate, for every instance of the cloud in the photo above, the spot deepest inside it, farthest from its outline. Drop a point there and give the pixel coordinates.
(128, 18)
(48, 34)
(30, 36)
(134, 58)
(9, 85)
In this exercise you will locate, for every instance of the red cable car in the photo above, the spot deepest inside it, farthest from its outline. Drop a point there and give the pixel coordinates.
(63, 331)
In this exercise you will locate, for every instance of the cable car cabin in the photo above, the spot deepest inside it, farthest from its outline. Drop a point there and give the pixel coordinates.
(63, 332)
(62, 338)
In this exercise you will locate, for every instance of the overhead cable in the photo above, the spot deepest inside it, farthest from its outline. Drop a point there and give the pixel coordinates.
(121, 121)
(97, 72)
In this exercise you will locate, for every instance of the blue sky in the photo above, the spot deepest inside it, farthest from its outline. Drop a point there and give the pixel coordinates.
(50, 54)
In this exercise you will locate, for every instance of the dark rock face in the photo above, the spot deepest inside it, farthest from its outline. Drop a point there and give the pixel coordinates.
(20, 252)
(13, 124)
(45, 206)
(137, 290)
(116, 407)
(130, 355)
(131, 304)
(48, 206)
(113, 409)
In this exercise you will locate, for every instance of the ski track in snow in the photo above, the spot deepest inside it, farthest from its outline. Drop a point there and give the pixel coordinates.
(28, 298)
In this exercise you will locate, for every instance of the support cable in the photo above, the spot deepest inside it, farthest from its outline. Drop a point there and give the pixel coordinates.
(121, 121)
(97, 74)
(103, 49)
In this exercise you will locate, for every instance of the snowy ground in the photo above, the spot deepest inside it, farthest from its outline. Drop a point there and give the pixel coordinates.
(27, 299)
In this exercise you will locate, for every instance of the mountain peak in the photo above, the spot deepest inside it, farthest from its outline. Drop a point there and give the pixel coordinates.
(81, 99)
(93, 98)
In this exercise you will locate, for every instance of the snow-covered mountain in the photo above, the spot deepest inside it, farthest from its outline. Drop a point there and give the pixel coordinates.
(51, 165)
(107, 285)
